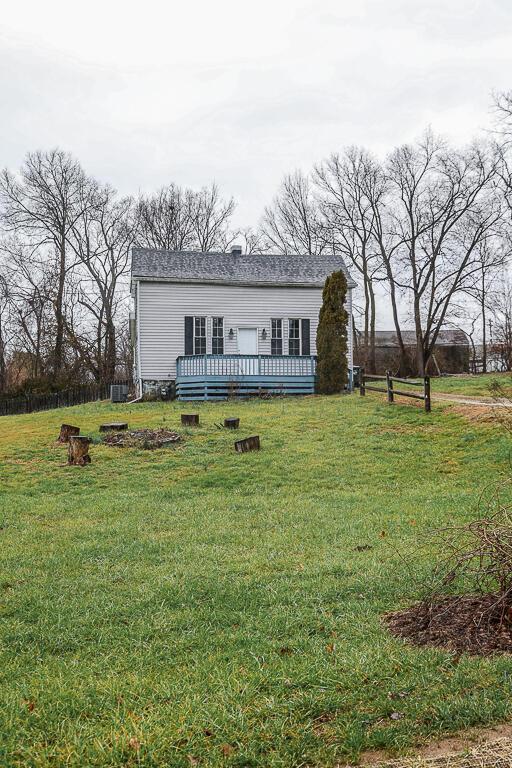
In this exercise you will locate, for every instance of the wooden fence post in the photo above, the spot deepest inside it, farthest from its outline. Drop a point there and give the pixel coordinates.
(389, 384)
(428, 407)
(362, 390)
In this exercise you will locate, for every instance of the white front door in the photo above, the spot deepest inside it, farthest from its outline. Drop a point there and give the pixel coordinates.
(247, 341)
(248, 345)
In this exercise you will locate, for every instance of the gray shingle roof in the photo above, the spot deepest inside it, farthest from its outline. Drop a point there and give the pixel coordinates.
(268, 269)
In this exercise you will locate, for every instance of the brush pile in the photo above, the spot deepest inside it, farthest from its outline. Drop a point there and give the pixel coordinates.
(472, 624)
(469, 604)
(147, 439)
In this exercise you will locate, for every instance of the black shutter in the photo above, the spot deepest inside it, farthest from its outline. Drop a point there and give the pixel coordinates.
(306, 346)
(189, 335)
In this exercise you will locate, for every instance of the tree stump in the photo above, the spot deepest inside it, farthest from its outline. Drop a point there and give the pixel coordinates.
(66, 430)
(190, 419)
(248, 444)
(232, 423)
(78, 450)
(115, 426)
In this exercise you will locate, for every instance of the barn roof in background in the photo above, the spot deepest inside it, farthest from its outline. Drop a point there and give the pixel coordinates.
(235, 269)
(448, 337)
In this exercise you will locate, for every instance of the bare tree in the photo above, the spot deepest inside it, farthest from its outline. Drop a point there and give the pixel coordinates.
(376, 189)
(179, 219)
(101, 240)
(4, 329)
(211, 218)
(292, 224)
(166, 219)
(503, 114)
(251, 241)
(501, 320)
(28, 285)
(41, 206)
(343, 182)
(492, 254)
(444, 205)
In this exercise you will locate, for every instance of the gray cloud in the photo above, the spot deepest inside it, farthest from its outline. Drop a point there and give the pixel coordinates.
(243, 93)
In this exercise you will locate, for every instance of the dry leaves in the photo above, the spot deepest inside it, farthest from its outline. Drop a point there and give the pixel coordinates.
(147, 439)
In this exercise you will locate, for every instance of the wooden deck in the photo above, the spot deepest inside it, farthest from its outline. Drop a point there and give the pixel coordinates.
(216, 377)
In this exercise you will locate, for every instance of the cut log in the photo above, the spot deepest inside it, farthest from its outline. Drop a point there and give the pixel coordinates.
(248, 444)
(66, 430)
(190, 419)
(115, 426)
(232, 423)
(78, 450)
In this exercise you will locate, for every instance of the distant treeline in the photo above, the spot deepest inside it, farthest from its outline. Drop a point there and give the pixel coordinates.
(431, 223)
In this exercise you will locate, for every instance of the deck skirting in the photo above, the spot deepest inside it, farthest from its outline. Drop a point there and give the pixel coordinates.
(216, 377)
(221, 387)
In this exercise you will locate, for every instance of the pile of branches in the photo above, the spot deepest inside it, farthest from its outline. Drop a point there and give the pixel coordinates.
(147, 439)
(468, 606)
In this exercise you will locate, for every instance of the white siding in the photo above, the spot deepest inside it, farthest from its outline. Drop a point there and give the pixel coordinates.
(162, 307)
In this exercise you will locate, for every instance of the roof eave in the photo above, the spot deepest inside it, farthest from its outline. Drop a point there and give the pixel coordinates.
(247, 283)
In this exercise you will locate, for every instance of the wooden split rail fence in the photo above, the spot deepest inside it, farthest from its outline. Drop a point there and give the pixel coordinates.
(390, 391)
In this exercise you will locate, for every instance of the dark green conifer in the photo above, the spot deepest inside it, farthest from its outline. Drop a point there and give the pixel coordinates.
(331, 337)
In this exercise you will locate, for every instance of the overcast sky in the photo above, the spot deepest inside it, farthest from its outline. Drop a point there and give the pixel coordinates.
(238, 92)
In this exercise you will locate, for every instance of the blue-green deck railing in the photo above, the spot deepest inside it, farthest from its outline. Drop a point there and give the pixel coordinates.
(232, 366)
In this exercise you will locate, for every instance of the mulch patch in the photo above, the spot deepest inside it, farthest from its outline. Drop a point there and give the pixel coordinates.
(466, 623)
(148, 439)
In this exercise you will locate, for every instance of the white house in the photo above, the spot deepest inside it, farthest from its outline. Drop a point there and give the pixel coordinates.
(215, 324)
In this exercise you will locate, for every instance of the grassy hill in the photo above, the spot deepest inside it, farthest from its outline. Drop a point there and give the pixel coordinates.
(193, 606)
(473, 386)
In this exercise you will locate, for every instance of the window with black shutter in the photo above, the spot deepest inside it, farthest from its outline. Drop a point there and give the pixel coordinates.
(217, 335)
(293, 336)
(200, 335)
(305, 337)
(276, 338)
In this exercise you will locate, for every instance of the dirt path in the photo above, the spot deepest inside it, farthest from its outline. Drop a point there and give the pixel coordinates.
(477, 748)
(465, 400)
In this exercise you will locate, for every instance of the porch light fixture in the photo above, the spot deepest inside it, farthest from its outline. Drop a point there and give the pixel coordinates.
(231, 333)
(264, 334)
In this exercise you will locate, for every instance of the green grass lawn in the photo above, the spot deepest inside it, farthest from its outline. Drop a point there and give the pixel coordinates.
(194, 606)
(473, 386)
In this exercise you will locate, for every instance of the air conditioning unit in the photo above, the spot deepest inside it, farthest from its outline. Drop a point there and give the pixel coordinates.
(119, 393)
